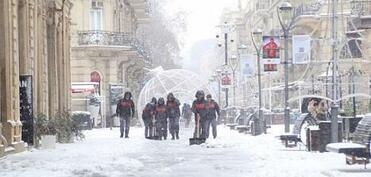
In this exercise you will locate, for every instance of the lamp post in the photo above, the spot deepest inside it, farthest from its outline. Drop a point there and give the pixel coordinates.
(226, 28)
(256, 37)
(285, 17)
(234, 64)
(242, 51)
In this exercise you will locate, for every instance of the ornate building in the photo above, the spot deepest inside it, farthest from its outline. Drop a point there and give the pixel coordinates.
(34, 65)
(105, 49)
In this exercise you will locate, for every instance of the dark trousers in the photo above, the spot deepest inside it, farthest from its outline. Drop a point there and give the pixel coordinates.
(213, 123)
(174, 126)
(124, 125)
(200, 128)
(147, 127)
(161, 126)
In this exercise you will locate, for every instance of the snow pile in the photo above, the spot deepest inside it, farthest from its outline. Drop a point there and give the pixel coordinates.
(103, 154)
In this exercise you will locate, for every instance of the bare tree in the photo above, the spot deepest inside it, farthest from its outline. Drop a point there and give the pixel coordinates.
(163, 36)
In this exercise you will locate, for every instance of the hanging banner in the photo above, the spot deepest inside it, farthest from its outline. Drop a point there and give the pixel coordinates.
(247, 64)
(271, 50)
(226, 80)
(270, 67)
(301, 49)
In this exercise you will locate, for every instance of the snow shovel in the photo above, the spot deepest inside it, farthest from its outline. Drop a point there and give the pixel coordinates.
(197, 140)
(154, 136)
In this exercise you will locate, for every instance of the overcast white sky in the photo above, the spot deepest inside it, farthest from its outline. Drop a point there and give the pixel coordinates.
(202, 19)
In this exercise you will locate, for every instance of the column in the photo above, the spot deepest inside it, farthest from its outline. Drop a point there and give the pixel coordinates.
(10, 74)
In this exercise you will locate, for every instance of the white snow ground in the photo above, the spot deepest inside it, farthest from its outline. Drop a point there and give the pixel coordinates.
(103, 154)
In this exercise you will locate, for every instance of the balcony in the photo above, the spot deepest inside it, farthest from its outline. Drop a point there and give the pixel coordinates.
(308, 9)
(361, 10)
(112, 39)
(361, 7)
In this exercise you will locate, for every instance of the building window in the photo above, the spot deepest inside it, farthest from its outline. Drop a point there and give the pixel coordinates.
(96, 19)
(352, 49)
(96, 15)
(263, 4)
(97, 4)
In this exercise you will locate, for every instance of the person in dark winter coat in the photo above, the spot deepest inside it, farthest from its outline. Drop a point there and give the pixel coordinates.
(213, 110)
(148, 117)
(187, 114)
(161, 119)
(173, 112)
(125, 110)
(199, 108)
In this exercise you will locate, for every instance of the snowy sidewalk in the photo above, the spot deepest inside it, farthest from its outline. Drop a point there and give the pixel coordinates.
(103, 154)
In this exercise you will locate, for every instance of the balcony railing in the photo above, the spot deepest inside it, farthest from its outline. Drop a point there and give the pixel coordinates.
(361, 7)
(107, 38)
(308, 9)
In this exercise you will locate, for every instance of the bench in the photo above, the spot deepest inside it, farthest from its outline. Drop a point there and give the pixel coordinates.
(231, 126)
(242, 128)
(288, 139)
(355, 153)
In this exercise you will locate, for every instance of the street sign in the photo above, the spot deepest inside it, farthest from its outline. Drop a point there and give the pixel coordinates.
(270, 67)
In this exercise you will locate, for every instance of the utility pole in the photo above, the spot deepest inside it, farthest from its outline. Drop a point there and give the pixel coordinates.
(334, 106)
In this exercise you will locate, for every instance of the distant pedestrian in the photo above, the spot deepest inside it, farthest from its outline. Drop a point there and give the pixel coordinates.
(125, 110)
(173, 112)
(186, 114)
(212, 111)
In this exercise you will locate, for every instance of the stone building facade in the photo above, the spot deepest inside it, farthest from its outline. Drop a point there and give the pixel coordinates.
(313, 18)
(34, 42)
(105, 49)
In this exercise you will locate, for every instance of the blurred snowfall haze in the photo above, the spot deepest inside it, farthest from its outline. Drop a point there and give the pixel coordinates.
(199, 40)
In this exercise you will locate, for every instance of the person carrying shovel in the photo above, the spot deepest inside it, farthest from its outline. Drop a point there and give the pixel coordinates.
(199, 108)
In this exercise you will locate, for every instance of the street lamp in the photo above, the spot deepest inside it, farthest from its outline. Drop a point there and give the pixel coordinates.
(256, 37)
(226, 28)
(286, 19)
(234, 64)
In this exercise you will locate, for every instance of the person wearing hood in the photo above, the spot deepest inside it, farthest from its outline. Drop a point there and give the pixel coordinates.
(125, 110)
(213, 110)
(148, 116)
(161, 119)
(199, 108)
(173, 110)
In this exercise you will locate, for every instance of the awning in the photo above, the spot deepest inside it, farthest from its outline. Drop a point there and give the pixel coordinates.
(82, 88)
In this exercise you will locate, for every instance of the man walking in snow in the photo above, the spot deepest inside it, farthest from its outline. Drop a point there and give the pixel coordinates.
(213, 110)
(125, 110)
(161, 119)
(200, 110)
(148, 116)
(173, 110)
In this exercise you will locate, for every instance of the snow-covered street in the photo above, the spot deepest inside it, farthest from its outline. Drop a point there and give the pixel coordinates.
(103, 153)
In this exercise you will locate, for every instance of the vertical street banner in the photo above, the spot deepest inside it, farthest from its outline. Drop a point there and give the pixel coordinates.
(26, 108)
(301, 49)
(271, 50)
(226, 80)
(247, 65)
